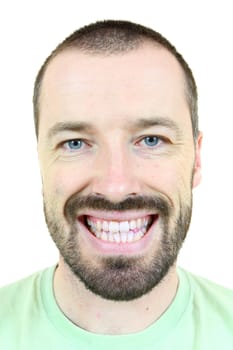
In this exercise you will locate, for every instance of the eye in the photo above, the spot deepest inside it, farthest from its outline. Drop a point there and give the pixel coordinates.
(73, 145)
(151, 141)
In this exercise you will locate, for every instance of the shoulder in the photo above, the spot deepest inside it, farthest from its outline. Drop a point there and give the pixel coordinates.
(21, 309)
(19, 286)
(212, 303)
(208, 288)
(18, 295)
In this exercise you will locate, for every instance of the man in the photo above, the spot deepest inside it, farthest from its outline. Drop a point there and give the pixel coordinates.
(119, 148)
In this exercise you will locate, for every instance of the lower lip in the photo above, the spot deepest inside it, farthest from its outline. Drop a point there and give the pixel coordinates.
(113, 248)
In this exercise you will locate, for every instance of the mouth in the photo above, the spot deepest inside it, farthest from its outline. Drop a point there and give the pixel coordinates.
(117, 231)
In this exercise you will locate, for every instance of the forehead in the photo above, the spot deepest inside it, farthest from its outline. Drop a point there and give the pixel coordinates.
(144, 81)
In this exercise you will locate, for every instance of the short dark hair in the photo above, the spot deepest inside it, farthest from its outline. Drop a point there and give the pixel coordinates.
(114, 37)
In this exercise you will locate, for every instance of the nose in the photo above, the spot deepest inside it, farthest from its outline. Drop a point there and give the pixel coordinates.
(117, 175)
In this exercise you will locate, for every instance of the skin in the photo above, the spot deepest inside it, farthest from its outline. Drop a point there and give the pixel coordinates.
(112, 93)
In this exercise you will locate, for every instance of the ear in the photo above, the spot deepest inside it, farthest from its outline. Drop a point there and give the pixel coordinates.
(197, 164)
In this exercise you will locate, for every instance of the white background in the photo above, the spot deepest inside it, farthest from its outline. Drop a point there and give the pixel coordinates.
(202, 31)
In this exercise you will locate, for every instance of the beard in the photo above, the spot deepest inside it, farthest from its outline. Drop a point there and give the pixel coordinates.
(119, 278)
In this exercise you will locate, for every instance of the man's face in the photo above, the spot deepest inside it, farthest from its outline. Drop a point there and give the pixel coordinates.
(118, 165)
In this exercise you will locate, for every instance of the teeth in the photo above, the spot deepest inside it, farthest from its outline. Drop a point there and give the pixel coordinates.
(111, 237)
(124, 236)
(99, 226)
(98, 234)
(123, 231)
(130, 237)
(117, 237)
(113, 226)
(105, 226)
(143, 229)
(132, 224)
(138, 235)
(124, 226)
(93, 228)
(104, 236)
(89, 222)
(139, 223)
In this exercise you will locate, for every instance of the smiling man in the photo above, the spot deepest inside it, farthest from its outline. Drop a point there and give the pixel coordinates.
(119, 150)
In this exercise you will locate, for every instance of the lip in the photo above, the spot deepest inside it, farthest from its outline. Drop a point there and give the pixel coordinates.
(106, 248)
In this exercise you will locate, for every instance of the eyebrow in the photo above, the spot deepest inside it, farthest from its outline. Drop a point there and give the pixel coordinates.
(142, 123)
(157, 121)
(69, 126)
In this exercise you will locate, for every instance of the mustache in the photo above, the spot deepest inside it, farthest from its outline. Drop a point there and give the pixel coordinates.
(77, 203)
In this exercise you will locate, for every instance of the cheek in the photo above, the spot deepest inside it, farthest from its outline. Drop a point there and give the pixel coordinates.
(63, 181)
(171, 177)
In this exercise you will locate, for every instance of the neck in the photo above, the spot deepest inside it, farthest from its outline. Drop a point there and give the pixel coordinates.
(98, 315)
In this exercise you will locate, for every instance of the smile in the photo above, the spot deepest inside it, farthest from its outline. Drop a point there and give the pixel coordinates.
(127, 231)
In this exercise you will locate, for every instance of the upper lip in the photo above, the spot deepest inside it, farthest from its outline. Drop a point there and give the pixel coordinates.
(117, 215)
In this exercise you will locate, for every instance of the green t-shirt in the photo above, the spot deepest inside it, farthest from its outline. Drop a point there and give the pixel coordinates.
(199, 318)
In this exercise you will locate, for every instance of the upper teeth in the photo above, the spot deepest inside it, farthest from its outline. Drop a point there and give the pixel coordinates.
(119, 231)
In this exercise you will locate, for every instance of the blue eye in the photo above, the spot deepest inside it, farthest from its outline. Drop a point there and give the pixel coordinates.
(151, 141)
(74, 144)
